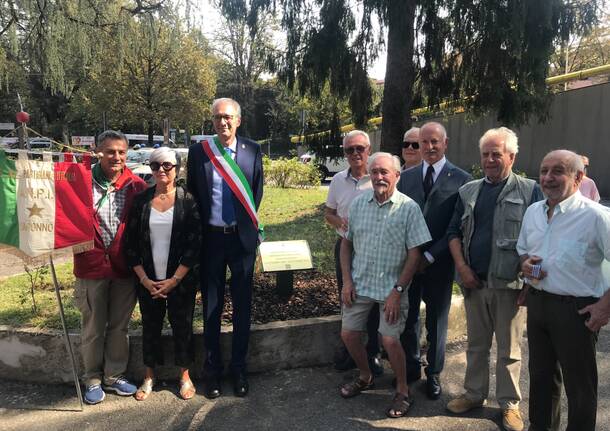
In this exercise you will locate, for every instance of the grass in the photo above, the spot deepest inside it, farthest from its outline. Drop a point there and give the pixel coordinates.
(291, 214)
(288, 214)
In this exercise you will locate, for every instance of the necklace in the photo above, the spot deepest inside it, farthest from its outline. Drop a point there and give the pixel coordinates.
(165, 195)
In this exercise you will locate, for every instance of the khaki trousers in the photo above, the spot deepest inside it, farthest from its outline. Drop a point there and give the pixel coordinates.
(490, 311)
(106, 307)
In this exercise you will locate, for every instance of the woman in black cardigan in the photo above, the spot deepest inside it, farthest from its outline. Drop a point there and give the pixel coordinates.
(162, 238)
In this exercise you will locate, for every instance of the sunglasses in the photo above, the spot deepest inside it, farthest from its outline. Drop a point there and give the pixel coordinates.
(355, 149)
(167, 166)
(407, 144)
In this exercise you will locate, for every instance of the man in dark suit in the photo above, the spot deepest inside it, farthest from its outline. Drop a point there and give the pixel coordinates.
(230, 239)
(434, 185)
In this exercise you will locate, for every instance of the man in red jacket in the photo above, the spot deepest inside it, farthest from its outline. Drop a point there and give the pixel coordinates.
(104, 290)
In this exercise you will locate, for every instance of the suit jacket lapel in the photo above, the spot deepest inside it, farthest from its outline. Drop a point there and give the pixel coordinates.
(208, 168)
(240, 153)
(418, 190)
(440, 180)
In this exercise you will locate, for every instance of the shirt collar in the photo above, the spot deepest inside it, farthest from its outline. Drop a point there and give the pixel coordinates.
(503, 181)
(391, 199)
(233, 146)
(438, 166)
(348, 175)
(565, 204)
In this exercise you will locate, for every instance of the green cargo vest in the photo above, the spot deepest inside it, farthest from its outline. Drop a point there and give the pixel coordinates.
(511, 204)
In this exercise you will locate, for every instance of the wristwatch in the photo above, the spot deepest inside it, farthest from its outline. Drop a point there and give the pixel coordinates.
(399, 288)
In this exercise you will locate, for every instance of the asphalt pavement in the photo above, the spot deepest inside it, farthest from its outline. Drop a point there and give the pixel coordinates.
(294, 400)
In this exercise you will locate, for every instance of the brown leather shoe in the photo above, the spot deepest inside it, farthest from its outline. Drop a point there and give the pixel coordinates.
(462, 405)
(511, 420)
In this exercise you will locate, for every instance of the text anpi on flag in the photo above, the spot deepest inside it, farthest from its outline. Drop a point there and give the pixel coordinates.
(45, 205)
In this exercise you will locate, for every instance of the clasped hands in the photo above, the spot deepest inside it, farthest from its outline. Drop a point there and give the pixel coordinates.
(160, 289)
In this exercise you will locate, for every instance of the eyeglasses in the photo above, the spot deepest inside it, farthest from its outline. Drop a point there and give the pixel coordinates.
(355, 149)
(407, 144)
(167, 166)
(226, 117)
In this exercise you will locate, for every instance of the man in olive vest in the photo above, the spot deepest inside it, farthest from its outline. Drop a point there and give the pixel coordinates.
(482, 237)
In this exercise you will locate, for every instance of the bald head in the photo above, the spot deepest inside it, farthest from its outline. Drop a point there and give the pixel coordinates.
(433, 142)
(561, 172)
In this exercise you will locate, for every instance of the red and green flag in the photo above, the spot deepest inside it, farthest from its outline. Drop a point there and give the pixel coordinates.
(45, 205)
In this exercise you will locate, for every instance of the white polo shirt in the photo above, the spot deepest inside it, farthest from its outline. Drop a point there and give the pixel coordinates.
(342, 191)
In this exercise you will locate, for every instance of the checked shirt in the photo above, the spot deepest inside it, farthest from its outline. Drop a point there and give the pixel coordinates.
(381, 235)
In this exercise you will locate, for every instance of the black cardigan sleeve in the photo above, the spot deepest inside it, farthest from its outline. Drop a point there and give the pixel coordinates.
(191, 232)
(133, 229)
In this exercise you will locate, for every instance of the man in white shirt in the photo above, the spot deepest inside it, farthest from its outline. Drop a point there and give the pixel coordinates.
(562, 244)
(344, 187)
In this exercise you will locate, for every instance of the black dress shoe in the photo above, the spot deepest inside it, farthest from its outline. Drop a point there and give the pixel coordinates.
(212, 387)
(240, 385)
(376, 366)
(433, 387)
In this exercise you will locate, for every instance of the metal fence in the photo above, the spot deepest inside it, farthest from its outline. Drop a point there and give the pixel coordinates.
(579, 120)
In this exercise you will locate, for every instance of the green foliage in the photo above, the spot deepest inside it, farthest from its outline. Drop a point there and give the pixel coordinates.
(285, 173)
(491, 56)
(245, 47)
(164, 73)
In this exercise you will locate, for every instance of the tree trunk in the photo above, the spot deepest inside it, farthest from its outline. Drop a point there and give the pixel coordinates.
(399, 76)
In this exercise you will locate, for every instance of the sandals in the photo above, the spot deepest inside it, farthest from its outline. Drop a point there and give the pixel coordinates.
(145, 389)
(400, 406)
(355, 387)
(187, 389)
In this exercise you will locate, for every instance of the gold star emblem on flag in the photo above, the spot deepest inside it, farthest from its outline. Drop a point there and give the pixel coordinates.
(35, 210)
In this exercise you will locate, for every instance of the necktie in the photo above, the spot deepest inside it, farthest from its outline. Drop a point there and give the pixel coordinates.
(228, 211)
(428, 181)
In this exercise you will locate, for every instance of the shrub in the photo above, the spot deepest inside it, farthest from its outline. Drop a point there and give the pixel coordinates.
(287, 173)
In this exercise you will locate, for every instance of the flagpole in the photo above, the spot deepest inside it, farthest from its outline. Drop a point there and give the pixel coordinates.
(66, 336)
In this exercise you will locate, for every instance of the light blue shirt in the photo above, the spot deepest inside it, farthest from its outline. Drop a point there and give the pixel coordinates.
(381, 235)
(216, 208)
(572, 245)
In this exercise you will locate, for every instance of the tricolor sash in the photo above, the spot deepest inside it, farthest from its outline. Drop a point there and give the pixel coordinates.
(233, 175)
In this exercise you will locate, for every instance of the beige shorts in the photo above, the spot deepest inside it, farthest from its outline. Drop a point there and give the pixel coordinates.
(354, 318)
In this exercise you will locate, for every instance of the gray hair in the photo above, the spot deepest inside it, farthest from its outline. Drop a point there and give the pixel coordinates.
(220, 100)
(436, 124)
(408, 132)
(375, 156)
(511, 142)
(107, 135)
(166, 154)
(355, 133)
(574, 162)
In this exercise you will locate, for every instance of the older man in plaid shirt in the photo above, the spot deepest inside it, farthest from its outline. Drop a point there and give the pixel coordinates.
(379, 257)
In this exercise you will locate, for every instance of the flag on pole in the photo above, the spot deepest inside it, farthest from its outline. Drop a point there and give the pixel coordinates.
(45, 205)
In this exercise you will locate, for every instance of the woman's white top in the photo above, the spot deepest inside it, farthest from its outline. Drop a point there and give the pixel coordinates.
(160, 224)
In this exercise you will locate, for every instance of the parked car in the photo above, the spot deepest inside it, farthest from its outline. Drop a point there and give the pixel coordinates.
(328, 166)
(144, 172)
(137, 157)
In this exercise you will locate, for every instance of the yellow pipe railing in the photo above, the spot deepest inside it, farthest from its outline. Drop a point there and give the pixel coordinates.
(560, 79)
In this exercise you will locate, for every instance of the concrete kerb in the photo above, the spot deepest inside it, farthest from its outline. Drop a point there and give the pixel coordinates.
(33, 355)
